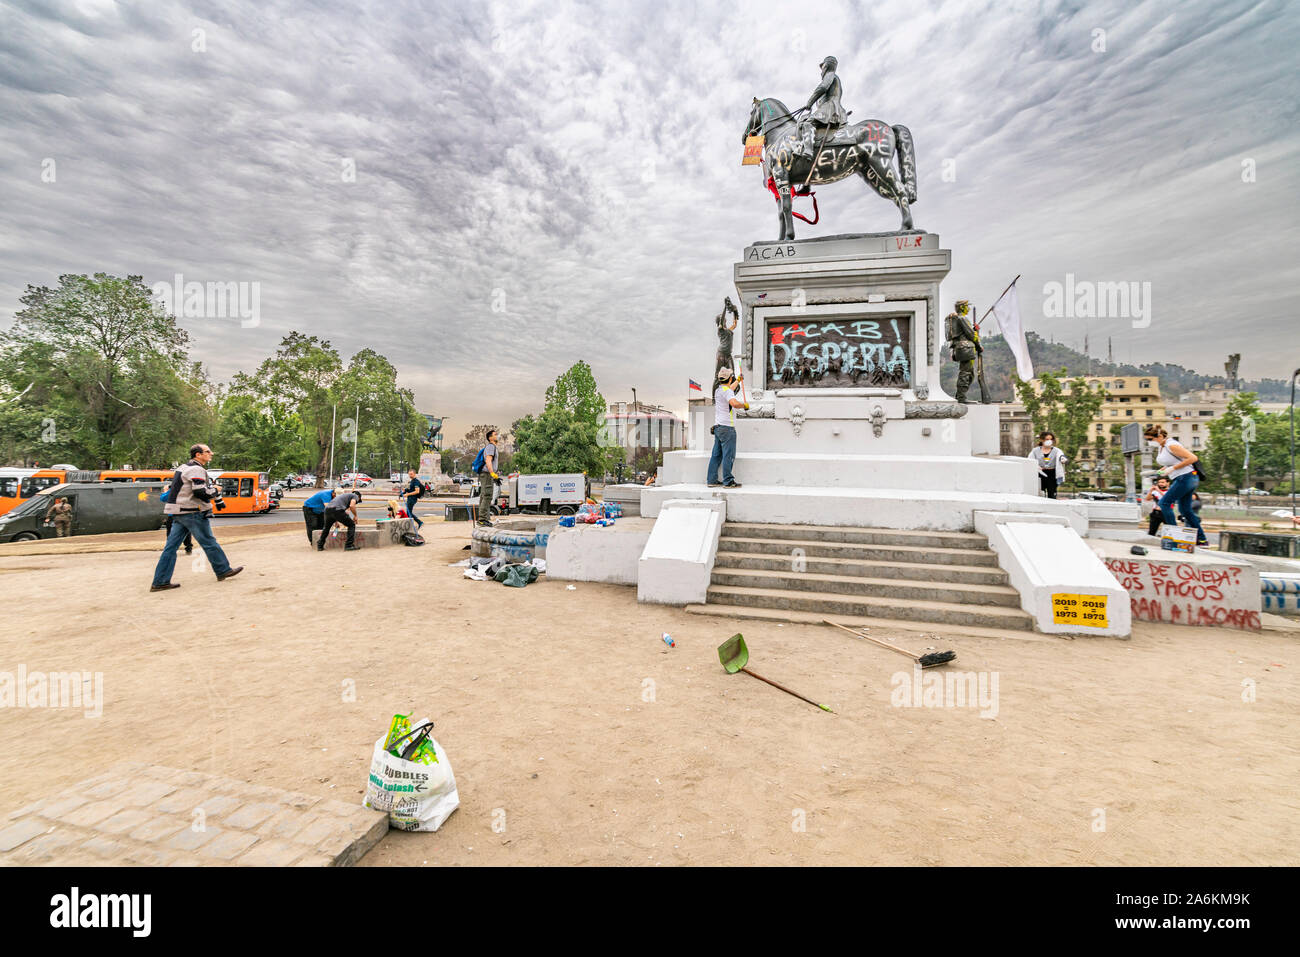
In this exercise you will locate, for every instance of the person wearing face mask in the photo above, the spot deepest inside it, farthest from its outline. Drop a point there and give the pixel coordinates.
(1051, 463)
(1179, 465)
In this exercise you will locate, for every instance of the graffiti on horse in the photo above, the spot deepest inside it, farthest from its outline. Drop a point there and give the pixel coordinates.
(881, 154)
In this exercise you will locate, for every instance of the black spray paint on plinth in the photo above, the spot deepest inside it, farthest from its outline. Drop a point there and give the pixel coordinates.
(847, 352)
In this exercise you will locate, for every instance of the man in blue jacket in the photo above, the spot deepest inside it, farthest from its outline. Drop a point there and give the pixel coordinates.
(313, 511)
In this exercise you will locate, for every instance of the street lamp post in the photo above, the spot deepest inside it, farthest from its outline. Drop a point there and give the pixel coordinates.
(1293, 378)
(632, 435)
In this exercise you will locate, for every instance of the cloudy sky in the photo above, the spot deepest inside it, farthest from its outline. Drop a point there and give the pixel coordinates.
(486, 192)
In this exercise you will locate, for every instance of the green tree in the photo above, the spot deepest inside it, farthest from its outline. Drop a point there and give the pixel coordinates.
(257, 434)
(105, 373)
(370, 385)
(575, 392)
(302, 376)
(1224, 461)
(567, 436)
(1064, 408)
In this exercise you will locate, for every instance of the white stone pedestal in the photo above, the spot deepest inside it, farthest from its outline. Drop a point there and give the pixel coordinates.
(891, 448)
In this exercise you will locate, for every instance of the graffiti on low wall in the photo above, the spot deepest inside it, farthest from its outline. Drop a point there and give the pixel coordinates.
(1185, 593)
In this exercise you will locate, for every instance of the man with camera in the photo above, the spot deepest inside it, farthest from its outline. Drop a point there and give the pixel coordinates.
(190, 501)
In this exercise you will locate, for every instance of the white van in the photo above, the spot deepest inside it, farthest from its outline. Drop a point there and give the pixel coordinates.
(555, 494)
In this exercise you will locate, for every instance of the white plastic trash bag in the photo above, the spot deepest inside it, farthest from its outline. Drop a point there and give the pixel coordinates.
(417, 797)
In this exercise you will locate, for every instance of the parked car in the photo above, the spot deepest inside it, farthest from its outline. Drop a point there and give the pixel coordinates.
(1252, 491)
(460, 478)
(97, 508)
(1098, 496)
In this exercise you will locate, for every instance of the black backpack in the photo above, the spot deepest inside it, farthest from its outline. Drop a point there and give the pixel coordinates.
(411, 538)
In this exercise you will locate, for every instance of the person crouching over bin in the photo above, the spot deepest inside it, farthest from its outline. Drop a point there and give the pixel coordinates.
(342, 509)
(313, 511)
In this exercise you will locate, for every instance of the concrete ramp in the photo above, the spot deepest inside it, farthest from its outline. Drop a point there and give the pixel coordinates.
(677, 564)
(1061, 581)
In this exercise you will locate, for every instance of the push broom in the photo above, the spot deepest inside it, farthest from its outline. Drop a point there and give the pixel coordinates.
(925, 661)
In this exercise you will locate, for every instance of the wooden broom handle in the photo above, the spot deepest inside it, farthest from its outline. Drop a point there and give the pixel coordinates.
(883, 644)
(785, 689)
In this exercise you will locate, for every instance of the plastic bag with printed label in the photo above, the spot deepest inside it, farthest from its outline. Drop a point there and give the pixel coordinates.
(418, 796)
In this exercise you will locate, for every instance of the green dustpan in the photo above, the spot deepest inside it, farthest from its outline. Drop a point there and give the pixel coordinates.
(734, 654)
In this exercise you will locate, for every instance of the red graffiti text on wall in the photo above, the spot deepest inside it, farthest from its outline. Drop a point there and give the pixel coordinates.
(1186, 594)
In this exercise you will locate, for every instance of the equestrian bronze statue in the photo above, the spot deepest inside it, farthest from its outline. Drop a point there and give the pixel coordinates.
(823, 148)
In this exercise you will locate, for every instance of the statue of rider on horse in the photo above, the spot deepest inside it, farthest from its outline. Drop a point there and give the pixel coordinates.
(822, 148)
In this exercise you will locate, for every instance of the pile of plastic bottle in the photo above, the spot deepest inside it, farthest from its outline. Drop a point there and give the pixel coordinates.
(592, 514)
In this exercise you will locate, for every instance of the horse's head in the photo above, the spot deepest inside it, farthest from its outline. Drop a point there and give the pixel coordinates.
(767, 117)
(752, 128)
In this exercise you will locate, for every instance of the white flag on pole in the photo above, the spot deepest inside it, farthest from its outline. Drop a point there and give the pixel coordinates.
(1007, 313)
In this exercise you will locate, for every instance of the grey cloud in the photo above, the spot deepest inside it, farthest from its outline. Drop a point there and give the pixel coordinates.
(583, 161)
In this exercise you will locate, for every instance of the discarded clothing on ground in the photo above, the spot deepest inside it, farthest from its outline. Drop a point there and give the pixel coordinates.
(481, 569)
(517, 576)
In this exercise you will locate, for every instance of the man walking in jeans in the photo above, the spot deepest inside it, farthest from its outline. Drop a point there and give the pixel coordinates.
(724, 429)
(189, 503)
(413, 490)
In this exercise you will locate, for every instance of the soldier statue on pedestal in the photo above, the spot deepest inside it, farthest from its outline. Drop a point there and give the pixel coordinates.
(726, 333)
(964, 344)
(825, 112)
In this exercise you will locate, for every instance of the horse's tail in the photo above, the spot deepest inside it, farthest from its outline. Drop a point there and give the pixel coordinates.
(906, 160)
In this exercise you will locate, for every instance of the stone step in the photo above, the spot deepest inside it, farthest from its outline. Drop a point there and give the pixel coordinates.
(919, 473)
(858, 568)
(918, 554)
(914, 538)
(856, 508)
(892, 588)
(876, 625)
(869, 606)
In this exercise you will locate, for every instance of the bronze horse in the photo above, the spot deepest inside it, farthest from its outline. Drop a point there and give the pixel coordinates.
(868, 148)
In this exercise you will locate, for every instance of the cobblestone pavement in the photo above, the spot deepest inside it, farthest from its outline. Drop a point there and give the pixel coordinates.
(145, 814)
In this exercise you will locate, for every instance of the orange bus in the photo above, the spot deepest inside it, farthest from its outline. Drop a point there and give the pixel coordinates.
(11, 481)
(18, 485)
(136, 475)
(244, 492)
(47, 478)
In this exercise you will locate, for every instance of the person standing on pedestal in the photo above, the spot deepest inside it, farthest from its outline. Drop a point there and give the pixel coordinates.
(724, 429)
(1050, 461)
(964, 345)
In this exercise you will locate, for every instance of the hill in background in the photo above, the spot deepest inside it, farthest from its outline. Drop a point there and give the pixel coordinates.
(999, 365)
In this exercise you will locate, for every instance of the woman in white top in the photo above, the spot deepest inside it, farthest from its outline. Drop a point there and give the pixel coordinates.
(1051, 463)
(1178, 464)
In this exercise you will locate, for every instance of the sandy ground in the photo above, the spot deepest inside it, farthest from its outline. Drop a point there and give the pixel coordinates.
(578, 737)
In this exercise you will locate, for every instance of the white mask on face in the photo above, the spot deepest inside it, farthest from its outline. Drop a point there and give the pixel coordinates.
(1154, 444)
(1047, 443)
